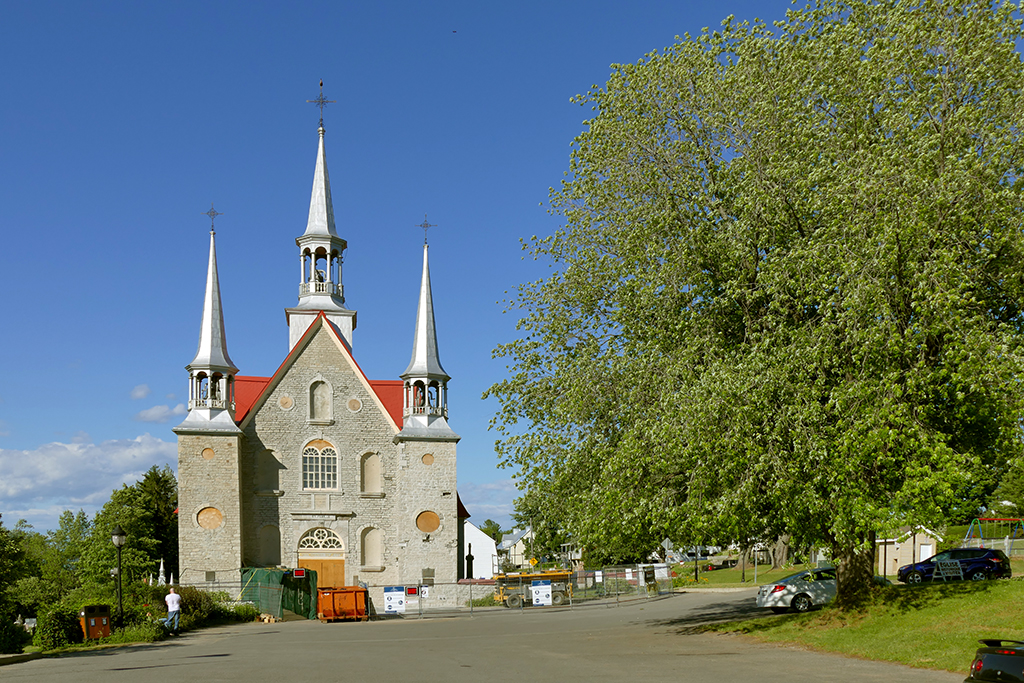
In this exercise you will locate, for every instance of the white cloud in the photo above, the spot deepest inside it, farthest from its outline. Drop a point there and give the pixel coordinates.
(40, 484)
(160, 414)
(489, 500)
(141, 391)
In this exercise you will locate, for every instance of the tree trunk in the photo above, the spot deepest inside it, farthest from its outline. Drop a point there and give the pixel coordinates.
(855, 573)
(744, 553)
(781, 551)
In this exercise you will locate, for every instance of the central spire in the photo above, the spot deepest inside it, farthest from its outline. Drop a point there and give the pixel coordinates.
(321, 254)
(321, 208)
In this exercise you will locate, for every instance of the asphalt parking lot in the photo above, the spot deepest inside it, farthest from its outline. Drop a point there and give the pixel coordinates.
(652, 641)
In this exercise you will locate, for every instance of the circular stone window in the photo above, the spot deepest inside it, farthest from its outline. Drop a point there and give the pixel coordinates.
(428, 458)
(428, 522)
(210, 518)
(286, 402)
(355, 405)
(207, 454)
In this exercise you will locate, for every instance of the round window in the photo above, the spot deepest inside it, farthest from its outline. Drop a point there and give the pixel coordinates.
(428, 522)
(208, 454)
(428, 458)
(210, 518)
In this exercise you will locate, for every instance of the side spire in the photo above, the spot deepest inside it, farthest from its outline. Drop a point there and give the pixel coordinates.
(425, 360)
(213, 345)
(211, 374)
(425, 415)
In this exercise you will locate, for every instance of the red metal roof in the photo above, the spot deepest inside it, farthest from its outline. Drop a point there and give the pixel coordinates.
(247, 390)
(389, 391)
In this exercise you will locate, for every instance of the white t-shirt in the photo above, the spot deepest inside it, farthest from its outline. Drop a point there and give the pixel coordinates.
(173, 601)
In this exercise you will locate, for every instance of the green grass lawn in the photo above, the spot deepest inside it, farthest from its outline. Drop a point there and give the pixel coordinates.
(933, 626)
(733, 577)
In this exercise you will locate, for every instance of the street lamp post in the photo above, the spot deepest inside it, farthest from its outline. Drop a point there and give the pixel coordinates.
(118, 538)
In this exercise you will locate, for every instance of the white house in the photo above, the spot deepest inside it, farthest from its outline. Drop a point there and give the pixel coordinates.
(483, 550)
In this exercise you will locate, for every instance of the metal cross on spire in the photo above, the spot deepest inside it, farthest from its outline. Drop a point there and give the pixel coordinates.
(426, 225)
(322, 102)
(212, 213)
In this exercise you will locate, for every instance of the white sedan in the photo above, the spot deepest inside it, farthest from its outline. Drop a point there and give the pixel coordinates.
(801, 591)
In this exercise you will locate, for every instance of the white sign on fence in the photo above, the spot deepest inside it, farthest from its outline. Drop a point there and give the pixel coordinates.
(598, 576)
(948, 569)
(394, 599)
(541, 592)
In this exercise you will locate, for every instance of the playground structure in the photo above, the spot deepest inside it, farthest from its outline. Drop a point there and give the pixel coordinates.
(995, 532)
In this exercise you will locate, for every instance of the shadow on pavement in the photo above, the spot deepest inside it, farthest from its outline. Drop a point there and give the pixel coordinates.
(694, 620)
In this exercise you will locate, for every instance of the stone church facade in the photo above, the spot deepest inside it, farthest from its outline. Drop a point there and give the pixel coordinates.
(317, 466)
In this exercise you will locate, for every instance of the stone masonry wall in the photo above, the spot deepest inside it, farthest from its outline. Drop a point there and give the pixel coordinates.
(208, 483)
(282, 426)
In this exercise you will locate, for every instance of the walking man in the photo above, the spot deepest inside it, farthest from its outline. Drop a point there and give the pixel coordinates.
(173, 601)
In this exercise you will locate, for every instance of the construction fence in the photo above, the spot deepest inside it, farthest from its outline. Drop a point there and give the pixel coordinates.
(274, 590)
(606, 587)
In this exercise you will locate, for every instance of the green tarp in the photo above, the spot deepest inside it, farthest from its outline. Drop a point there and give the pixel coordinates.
(275, 590)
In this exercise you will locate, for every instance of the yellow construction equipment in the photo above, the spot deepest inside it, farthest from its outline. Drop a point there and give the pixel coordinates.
(513, 589)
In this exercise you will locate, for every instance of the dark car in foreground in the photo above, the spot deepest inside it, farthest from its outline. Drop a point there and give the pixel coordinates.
(998, 660)
(975, 564)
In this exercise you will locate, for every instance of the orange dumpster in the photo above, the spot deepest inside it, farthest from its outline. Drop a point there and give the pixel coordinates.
(347, 603)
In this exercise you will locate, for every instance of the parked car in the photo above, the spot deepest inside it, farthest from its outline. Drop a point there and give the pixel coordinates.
(998, 660)
(976, 564)
(800, 591)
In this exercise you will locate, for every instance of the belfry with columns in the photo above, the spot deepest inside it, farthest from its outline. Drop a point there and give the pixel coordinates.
(318, 466)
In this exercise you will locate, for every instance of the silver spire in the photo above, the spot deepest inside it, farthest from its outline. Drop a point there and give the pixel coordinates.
(425, 362)
(213, 345)
(321, 209)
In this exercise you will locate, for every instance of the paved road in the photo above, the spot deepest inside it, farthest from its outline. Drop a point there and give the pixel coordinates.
(650, 641)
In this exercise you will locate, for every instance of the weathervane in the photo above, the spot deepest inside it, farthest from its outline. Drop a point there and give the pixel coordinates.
(322, 102)
(212, 213)
(425, 225)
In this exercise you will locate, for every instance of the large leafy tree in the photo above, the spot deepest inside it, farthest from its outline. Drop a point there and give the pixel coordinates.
(786, 298)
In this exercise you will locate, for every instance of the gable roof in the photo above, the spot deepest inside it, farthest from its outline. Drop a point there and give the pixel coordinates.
(389, 400)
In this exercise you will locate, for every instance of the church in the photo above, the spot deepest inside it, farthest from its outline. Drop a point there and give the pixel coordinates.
(318, 466)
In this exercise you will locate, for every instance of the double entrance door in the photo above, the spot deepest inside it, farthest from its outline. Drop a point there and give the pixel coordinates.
(330, 572)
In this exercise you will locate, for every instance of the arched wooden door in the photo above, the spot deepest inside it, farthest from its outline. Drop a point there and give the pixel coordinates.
(322, 551)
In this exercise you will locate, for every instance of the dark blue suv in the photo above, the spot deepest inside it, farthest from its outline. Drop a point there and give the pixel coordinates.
(974, 564)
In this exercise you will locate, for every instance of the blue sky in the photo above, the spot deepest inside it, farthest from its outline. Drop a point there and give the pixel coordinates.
(121, 122)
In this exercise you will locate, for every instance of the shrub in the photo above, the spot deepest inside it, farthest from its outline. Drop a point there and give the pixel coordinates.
(58, 627)
(245, 612)
(197, 606)
(13, 637)
(149, 632)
